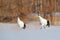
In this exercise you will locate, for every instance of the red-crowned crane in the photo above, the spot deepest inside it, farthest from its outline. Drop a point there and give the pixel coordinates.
(44, 22)
(20, 23)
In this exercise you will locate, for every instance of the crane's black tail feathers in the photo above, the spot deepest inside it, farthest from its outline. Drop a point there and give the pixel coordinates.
(48, 23)
(24, 26)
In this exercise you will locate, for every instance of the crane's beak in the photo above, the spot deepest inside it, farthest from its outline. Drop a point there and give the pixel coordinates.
(38, 14)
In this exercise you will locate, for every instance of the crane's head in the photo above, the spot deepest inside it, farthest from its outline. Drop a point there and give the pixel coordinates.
(38, 13)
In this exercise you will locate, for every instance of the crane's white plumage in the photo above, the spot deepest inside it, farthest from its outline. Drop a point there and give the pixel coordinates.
(20, 23)
(43, 22)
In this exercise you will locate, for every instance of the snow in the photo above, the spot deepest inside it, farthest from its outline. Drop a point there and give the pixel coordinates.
(50, 33)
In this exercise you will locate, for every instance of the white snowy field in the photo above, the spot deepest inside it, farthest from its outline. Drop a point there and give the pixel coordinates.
(32, 32)
(29, 26)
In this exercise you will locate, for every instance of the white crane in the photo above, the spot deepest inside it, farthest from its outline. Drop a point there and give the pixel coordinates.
(44, 22)
(20, 23)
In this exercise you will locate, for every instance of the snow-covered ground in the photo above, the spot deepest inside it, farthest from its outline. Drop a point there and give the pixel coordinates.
(12, 32)
(29, 26)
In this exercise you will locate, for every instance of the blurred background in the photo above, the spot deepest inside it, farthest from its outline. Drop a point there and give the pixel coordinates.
(49, 9)
(27, 11)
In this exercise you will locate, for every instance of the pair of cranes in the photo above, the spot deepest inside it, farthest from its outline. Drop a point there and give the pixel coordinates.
(43, 22)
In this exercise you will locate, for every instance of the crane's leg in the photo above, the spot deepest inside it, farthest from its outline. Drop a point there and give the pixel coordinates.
(41, 26)
(44, 26)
